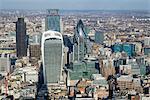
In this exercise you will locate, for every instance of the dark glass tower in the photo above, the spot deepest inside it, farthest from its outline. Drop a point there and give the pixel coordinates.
(21, 38)
(52, 21)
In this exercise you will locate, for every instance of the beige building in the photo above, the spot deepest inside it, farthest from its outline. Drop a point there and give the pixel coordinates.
(126, 82)
(107, 68)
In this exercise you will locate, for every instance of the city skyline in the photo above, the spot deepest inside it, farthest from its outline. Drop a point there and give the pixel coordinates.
(77, 4)
(75, 54)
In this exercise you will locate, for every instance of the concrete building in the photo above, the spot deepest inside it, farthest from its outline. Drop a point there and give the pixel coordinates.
(107, 68)
(4, 65)
(126, 82)
(125, 69)
(147, 41)
(35, 51)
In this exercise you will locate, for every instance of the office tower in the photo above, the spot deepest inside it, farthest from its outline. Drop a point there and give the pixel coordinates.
(52, 57)
(99, 37)
(52, 21)
(80, 40)
(21, 38)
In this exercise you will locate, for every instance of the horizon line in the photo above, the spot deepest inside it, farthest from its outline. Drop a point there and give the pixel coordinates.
(80, 9)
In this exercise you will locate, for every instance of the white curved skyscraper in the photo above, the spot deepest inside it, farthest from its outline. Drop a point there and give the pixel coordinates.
(52, 57)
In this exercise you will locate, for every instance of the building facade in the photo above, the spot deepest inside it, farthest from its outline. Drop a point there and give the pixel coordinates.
(147, 41)
(35, 51)
(21, 38)
(128, 48)
(52, 56)
(35, 47)
(99, 37)
(80, 40)
(52, 21)
(4, 64)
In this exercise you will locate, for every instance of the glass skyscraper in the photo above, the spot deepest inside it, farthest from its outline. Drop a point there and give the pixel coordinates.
(80, 40)
(21, 38)
(52, 21)
(52, 57)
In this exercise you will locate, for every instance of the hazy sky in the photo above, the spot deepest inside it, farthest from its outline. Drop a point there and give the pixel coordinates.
(77, 4)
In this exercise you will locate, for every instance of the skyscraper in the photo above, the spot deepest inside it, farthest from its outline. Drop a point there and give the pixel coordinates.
(21, 38)
(80, 40)
(52, 57)
(52, 21)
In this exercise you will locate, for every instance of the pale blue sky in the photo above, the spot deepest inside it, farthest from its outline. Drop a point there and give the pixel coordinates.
(77, 4)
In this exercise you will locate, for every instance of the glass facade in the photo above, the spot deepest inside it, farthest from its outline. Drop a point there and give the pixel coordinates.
(53, 23)
(83, 70)
(129, 49)
(80, 40)
(53, 59)
(117, 48)
(35, 38)
(21, 38)
(52, 20)
(99, 37)
(146, 51)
